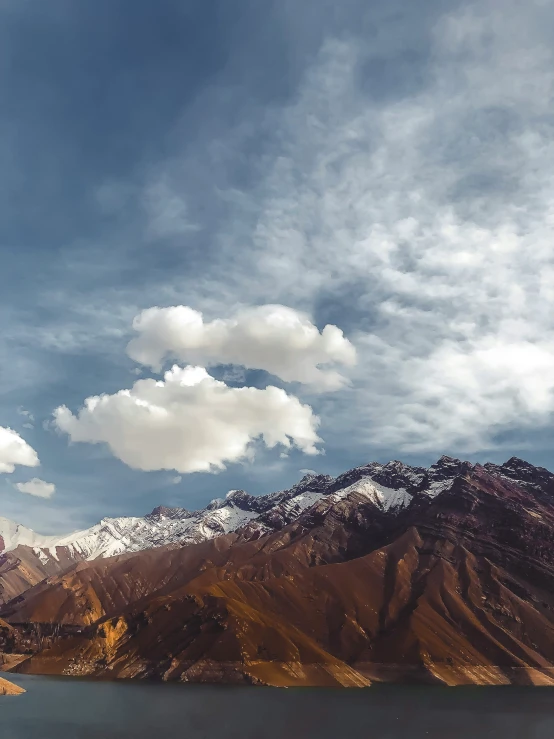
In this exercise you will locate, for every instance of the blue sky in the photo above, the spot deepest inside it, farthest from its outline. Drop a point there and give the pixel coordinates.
(384, 170)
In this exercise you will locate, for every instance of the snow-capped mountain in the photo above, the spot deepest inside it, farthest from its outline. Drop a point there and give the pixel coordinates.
(390, 487)
(13, 535)
(164, 525)
(396, 572)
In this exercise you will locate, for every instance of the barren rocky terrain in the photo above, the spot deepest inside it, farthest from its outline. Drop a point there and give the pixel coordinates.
(391, 574)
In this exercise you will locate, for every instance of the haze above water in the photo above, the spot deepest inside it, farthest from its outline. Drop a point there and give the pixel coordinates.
(73, 709)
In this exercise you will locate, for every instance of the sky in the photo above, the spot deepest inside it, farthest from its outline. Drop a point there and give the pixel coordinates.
(240, 240)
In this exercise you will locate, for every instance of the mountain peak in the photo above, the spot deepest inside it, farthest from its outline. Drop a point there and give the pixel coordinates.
(163, 511)
(516, 462)
(447, 461)
(534, 479)
(215, 504)
(240, 499)
(449, 466)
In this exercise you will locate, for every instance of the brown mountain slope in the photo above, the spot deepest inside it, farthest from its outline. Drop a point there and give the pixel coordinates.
(21, 568)
(414, 604)
(459, 588)
(329, 532)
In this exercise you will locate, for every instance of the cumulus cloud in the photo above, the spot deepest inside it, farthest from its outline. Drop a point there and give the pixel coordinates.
(275, 338)
(15, 451)
(37, 487)
(190, 422)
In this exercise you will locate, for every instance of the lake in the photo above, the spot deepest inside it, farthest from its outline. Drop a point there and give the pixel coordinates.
(69, 708)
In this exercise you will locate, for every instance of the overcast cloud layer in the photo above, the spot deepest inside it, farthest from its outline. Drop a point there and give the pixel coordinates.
(343, 211)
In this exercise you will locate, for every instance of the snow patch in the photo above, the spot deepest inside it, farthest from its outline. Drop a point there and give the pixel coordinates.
(387, 499)
(438, 486)
(41, 554)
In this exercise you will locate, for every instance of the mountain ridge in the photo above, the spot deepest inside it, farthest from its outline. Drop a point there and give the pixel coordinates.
(444, 574)
(27, 557)
(389, 475)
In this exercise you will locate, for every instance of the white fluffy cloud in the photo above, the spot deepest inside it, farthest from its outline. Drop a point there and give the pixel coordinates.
(190, 422)
(37, 487)
(15, 451)
(274, 338)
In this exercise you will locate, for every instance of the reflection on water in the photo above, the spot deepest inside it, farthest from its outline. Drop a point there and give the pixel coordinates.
(66, 708)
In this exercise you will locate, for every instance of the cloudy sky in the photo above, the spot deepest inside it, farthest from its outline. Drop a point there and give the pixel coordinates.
(243, 239)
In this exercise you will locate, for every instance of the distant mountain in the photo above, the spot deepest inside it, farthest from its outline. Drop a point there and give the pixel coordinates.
(28, 557)
(392, 486)
(387, 572)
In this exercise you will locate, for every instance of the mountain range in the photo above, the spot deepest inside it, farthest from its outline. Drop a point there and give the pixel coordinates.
(387, 572)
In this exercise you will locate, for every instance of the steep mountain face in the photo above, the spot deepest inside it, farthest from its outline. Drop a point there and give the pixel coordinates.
(22, 567)
(387, 572)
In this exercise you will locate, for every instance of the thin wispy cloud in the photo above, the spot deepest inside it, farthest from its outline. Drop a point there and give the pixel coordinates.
(166, 211)
(381, 169)
(441, 202)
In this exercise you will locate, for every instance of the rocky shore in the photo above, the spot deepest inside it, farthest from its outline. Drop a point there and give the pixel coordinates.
(7, 688)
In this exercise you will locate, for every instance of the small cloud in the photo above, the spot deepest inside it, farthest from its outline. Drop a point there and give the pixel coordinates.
(37, 487)
(24, 412)
(306, 471)
(176, 480)
(15, 451)
(29, 424)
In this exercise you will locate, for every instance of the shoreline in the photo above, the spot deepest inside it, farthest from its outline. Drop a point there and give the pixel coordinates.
(8, 688)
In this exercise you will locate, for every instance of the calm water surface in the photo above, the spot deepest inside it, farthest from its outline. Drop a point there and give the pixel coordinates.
(65, 708)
